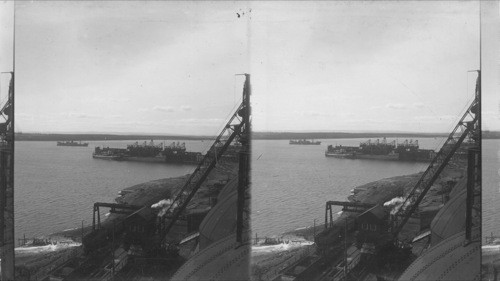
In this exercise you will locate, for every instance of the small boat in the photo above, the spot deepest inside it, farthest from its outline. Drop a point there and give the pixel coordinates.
(72, 143)
(305, 142)
(107, 153)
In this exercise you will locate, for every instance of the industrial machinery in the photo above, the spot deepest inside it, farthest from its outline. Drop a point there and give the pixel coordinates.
(238, 125)
(464, 140)
(102, 233)
(468, 127)
(138, 217)
(7, 184)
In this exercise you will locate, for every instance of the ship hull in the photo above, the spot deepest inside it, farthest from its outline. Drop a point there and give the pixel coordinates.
(77, 144)
(337, 155)
(187, 158)
(393, 157)
(107, 157)
(150, 153)
(143, 159)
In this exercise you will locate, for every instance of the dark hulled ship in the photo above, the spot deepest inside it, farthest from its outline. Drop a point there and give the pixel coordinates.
(149, 152)
(382, 150)
(176, 153)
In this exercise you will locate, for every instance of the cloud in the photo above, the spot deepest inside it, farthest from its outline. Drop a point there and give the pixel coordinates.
(418, 105)
(434, 118)
(163, 108)
(202, 121)
(80, 115)
(24, 115)
(396, 106)
(186, 108)
(400, 106)
(107, 100)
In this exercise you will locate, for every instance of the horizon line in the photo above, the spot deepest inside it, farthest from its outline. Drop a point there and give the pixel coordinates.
(254, 132)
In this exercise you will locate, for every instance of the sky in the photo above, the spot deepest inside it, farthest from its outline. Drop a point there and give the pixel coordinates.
(490, 65)
(6, 47)
(128, 67)
(363, 66)
(169, 67)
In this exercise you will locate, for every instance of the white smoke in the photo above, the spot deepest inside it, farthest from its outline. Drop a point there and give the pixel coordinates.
(161, 204)
(165, 205)
(394, 201)
(395, 204)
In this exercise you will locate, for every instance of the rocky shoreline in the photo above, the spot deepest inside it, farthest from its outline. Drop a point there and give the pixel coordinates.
(144, 194)
(377, 192)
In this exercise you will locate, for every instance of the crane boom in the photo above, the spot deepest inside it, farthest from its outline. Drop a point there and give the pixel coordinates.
(234, 127)
(467, 126)
(7, 185)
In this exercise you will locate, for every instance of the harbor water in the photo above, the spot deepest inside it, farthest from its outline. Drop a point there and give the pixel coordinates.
(56, 186)
(291, 183)
(491, 187)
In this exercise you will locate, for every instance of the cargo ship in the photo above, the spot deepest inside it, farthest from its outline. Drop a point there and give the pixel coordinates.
(305, 142)
(176, 153)
(382, 150)
(149, 152)
(72, 143)
(232, 151)
(107, 153)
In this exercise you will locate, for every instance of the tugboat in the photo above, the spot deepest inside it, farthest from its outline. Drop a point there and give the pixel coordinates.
(72, 143)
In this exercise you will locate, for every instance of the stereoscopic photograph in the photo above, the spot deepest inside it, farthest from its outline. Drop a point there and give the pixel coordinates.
(255, 140)
(132, 141)
(366, 160)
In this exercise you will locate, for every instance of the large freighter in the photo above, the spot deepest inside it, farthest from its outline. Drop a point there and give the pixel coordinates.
(176, 153)
(382, 150)
(149, 152)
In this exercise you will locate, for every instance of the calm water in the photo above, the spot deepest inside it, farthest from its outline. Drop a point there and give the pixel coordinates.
(491, 187)
(56, 187)
(291, 184)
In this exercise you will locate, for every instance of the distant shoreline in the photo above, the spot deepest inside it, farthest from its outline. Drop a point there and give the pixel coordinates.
(255, 136)
(338, 135)
(101, 137)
